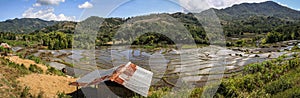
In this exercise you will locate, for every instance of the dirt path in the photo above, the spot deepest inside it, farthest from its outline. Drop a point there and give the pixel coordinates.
(48, 84)
(26, 62)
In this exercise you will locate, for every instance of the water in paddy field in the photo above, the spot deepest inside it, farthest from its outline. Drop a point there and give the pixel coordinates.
(168, 65)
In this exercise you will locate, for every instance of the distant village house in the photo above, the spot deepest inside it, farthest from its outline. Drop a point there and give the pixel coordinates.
(5, 45)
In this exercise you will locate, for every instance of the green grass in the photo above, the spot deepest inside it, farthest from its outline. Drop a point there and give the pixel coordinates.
(9, 73)
(65, 63)
(35, 59)
(54, 71)
(35, 69)
(264, 79)
(21, 43)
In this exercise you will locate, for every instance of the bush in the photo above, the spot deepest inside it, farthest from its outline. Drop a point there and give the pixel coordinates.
(40, 95)
(277, 86)
(35, 69)
(63, 95)
(289, 93)
(52, 70)
(196, 93)
(256, 76)
(25, 93)
(35, 59)
(295, 48)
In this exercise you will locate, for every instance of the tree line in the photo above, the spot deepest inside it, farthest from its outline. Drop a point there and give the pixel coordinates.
(61, 36)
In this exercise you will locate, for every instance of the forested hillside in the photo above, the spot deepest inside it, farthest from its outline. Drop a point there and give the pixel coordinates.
(24, 25)
(266, 22)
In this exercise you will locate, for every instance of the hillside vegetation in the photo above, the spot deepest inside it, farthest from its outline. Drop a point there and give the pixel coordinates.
(266, 22)
(278, 78)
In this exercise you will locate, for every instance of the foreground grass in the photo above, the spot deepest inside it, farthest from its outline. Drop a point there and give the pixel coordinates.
(10, 72)
(267, 79)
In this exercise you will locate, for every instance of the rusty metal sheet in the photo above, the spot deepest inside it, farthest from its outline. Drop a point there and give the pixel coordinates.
(130, 76)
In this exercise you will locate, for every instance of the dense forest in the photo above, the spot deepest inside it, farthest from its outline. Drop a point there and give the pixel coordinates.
(242, 22)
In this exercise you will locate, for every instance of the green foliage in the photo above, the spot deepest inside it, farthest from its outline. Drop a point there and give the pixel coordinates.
(57, 40)
(54, 71)
(63, 95)
(240, 43)
(290, 93)
(295, 48)
(65, 63)
(25, 93)
(274, 37)
(256, 76)
(153, 39)
(196, 93)
(24, 25)
(2, 49)
(281, 23)
(40, 95)
(35, 69)
(35, 59)
(21, 68)
(277, 86)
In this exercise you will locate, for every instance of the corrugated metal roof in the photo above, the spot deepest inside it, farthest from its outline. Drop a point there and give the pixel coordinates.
(130, 76)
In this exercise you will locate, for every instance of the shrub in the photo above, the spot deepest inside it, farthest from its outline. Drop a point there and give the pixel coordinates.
(196, 93)
(277, 86)
(25, 93)
(295, 48)
(35, 69)
(63, 95)
(35, 59)
(256, 76)
(289, 93)
(40, 95)
(54, 71)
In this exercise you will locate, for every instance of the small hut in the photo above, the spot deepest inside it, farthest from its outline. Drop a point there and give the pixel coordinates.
(6, 49)
(130, 76)
(5, 45)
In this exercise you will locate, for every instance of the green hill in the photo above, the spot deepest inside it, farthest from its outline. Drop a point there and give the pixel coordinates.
(24, 25)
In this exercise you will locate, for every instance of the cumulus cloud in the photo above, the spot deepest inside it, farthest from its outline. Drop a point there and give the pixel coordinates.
(37, 5)
(46, 14)
(47, 2)
(85, 5)
(200, 5)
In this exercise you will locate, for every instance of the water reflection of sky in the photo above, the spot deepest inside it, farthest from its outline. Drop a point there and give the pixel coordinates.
(188, 63)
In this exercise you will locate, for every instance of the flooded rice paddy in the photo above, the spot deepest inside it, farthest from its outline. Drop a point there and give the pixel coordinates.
(168, 65)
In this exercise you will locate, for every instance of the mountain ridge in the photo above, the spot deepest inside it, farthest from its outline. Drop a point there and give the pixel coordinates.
(268, 8)
(237, 12)
(24, 25)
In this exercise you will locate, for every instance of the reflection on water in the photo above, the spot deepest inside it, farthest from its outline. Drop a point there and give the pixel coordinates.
(193, 65)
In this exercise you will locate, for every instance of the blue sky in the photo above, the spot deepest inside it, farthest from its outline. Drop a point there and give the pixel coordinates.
(81, 9)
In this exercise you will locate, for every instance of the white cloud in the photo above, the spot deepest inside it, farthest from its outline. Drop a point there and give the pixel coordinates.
(47, 2)
(46, 14)
(37, 5)
(85, 5)
(200, 5)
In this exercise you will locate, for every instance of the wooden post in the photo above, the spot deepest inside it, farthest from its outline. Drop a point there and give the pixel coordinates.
(77, 95)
